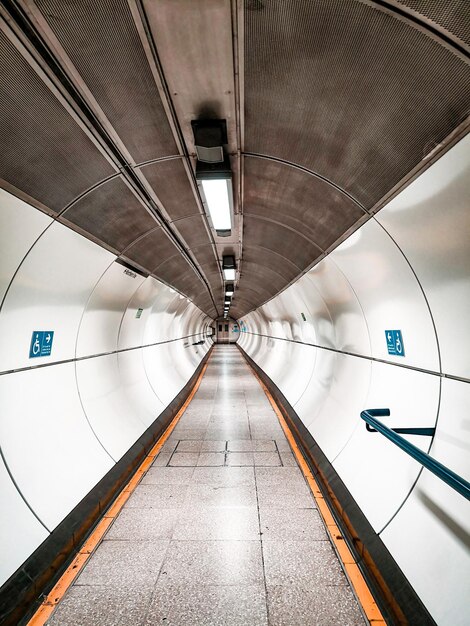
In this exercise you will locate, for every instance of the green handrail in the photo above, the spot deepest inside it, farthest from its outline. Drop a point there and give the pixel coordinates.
(441, 471)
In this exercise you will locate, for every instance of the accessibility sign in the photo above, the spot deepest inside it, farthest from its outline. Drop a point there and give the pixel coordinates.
(395, 344)
(41, 343)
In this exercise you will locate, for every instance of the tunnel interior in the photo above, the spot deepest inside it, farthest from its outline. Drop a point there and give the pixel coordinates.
(345, 139)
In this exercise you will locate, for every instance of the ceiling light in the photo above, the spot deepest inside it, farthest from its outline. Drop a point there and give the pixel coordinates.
(217, 195)
(229, 288)
(214, 174)
(228, 267)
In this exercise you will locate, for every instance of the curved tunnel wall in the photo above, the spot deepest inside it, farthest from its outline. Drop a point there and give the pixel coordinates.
(407, 269)
(68, 418)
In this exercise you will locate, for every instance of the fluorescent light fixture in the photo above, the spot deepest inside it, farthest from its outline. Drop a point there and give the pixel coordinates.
(229, 274)
(228, 266)
(217, 193)
(215, 184)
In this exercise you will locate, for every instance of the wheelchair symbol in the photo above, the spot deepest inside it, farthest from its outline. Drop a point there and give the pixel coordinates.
(398, 345)
(36, 346)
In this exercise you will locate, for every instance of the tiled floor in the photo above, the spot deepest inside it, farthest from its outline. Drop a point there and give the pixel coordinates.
(222, 530)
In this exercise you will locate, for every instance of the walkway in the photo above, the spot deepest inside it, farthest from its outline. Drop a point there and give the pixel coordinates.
(222, 530)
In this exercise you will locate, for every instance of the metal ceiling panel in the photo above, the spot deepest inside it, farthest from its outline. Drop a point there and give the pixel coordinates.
(194, 232)
(44, 151)
(102, 41)
(453, 15)
(292, 245)
(276, 260)
(151, 249)
(170, 182)
(111, 213)
(299, 200)
(348, 91)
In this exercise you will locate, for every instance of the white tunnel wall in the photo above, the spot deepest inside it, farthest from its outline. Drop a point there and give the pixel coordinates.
(406, 269)
(110, 374)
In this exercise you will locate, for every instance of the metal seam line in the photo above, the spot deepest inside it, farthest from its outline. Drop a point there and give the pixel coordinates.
(367, 358)
(95, 356)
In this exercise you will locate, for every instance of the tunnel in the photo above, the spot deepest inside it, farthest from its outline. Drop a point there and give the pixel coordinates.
(235, 312)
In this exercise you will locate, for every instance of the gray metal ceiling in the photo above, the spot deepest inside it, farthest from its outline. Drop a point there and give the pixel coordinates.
(330, 106)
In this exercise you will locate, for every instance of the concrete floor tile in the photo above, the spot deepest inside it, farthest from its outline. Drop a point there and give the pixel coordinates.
(189, 445)
(283, 524)
(212, 563)
(125, 564)
(324, 606)
(188, 433)
(184, 459)
(240, 459)
(227, 433)
(282, 444)
(267, 459)
(169, 446)
(162, 459)
(168, 476)
(251, 445)
(285, 496)
(265, 434)
(224, 476)
(207, 459)
(157, 496)
(208, 605)
(146, 524)
(218, 523)
(101, 606)
(193, 423)
(306, 564)
(288, 459)
(215, 445)
(279, 476)
(200, 495)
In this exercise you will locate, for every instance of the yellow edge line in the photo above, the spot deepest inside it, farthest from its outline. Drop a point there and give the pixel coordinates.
(354, 574)
(57, 592)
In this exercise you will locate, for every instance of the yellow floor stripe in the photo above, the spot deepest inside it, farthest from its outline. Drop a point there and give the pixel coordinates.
(353, 572)
(57, 593)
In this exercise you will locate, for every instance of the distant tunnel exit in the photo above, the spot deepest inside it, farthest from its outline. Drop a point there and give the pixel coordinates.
(227, 331)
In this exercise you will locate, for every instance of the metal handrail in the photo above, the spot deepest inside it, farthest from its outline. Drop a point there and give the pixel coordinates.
(441, 471)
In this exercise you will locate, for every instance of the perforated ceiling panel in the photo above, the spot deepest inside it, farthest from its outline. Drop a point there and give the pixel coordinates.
(170, 182)
(298, 200)
(43, 150)
(103, 43)
(147, 250)
(112, 213)
(453, 15)
(348, 91)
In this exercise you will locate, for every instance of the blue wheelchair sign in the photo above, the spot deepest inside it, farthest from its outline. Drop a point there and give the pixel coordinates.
(41, 343)
(395, 345)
